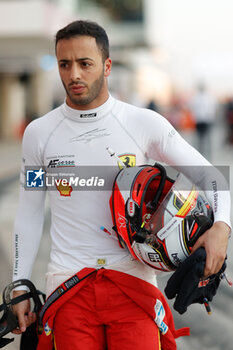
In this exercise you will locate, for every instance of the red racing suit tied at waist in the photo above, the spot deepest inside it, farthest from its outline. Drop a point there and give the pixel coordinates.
(144, 294)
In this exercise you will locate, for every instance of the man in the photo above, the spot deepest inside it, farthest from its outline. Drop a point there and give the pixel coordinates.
(78, 133)
(203, 107)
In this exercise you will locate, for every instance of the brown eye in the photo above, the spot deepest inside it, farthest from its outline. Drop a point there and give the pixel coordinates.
(86, 64)
(63, 65)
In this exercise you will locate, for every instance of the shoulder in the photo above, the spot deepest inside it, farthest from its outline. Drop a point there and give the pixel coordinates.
(127, 107)
(45, 124)
(139, 115)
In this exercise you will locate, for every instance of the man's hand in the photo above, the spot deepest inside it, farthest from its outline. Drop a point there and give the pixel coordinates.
(23, 313)
(215, 241)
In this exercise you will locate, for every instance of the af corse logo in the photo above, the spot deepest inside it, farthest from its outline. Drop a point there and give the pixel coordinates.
(57, 163)
(53, 163)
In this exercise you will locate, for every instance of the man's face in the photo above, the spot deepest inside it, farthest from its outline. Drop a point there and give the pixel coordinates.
(83, 72)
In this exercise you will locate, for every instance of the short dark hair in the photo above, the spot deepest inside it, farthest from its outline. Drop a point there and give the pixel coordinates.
(88, 28)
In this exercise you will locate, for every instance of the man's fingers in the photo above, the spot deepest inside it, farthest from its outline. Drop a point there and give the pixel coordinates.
(197, 245)
(213, 265)
(16, 331)
(31, 317)
(215, 241)
(208, 267)
(23, 322)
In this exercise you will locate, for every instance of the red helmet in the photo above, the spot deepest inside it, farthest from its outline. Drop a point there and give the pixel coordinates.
(156, 218)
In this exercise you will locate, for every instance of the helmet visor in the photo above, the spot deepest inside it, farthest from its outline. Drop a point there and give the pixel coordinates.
(178, 202)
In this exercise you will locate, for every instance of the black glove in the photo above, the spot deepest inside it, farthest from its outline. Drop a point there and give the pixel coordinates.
(186, 284)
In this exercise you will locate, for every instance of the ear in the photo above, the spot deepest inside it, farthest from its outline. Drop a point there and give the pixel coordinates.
(107, 67)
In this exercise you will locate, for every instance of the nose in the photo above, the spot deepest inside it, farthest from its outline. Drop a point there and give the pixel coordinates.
(75, 73)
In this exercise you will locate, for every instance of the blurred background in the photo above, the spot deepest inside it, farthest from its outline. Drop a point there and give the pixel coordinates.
(175, 57)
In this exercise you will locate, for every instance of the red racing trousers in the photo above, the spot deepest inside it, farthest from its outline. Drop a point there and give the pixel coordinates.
(100, 316)
(111, 311)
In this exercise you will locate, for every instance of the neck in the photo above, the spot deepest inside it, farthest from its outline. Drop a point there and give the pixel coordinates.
(91, 115)
(94, 104)
(98, 101)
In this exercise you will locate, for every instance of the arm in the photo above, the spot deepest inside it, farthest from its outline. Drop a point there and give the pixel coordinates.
(22, 310)
(175, 151)
(28, 226)
(215, 242)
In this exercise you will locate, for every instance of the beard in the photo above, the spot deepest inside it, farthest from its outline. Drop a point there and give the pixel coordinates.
(93, 91)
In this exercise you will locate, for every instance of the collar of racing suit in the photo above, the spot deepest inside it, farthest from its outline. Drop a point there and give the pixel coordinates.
(91, 115)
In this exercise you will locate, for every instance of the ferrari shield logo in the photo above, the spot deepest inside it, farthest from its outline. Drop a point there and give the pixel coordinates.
(128, 159)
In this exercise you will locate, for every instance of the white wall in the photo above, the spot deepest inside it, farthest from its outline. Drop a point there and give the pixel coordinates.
(198, 37)
(31, 18)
